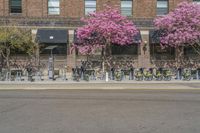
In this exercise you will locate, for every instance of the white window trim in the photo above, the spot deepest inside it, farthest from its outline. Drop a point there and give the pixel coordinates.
(167, 7)
(93, 7)
(129, 7)
(51, 7)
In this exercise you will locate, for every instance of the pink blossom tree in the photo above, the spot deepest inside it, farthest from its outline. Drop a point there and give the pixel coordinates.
(102, 29)
(181, 27)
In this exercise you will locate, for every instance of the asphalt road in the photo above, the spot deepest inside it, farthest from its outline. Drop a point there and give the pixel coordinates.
(100, 111)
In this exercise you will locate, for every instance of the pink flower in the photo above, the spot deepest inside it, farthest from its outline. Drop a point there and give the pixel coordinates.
(103, 27)
(182, 25)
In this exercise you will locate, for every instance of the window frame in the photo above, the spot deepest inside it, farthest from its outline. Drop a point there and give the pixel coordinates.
(157, 8)
(52, 7)
(11, 7)
(121, 7)
(86, 7)
(196, 1)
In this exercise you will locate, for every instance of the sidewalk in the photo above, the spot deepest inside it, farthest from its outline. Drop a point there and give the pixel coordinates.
(45, 85)
(99, 82)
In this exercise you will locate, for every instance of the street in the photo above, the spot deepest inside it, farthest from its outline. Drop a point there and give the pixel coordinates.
(100, 111)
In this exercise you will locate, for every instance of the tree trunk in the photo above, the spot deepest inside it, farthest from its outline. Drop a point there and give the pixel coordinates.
(108, 50)
(8, 58)
(37, 55)
(106, 53)
(87, 57)
(179, 55)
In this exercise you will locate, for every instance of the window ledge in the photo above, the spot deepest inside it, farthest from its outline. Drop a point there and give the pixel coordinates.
(161, 15)
(15, 14)
(53, 15)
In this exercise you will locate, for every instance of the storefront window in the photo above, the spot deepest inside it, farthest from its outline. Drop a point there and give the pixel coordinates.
(125, 50)
(190, 51)
(157, 53)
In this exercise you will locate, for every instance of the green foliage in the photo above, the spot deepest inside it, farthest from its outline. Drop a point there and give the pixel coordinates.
(14, 39)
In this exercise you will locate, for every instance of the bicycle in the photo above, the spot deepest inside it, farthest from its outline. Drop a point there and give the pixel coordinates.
(167, 75)
(148, 76)
(138, 75)
(187, 75)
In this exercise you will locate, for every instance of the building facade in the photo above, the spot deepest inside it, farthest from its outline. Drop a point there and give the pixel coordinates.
(49, 19)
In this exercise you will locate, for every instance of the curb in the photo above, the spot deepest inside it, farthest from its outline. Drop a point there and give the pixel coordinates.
(100, 82)
(97, 85)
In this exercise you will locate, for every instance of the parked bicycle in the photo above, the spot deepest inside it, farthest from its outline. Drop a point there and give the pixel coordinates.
(118, 75)
(148, 76)
(167, 75)
(76, 74)
(157, 74)
(138, 75)
(187, 74)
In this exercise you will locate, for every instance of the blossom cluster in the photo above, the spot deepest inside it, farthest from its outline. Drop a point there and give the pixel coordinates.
(181, 26)
(104, 28)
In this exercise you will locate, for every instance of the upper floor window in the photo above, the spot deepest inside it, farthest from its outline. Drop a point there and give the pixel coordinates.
(162, 7)
(53, 7)
(15, 6)
(126, 7)
(90, 6)
(196, 1)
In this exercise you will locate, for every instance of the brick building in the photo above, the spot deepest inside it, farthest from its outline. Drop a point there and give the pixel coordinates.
(53, 22)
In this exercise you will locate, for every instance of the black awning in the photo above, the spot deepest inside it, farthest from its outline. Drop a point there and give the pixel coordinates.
(154, 36)
(52, 36)
(137, 38)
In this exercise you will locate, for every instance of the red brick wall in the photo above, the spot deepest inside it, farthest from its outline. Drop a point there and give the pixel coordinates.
(2, 7)
(144, 8)
(5, 7)
(174, 3)
(34, 8)
(75, 8)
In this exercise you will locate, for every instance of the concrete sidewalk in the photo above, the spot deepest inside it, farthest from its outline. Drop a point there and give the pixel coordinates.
(45, 85)
(99, 81)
